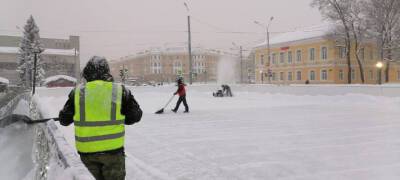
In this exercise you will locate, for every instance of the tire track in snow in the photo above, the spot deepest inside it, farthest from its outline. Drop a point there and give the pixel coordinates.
(148, 169)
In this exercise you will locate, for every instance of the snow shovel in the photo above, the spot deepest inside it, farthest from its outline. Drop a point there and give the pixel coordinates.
(169, 101)
(10, 119)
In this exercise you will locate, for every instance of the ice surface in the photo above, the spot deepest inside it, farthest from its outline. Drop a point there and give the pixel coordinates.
(296, 134)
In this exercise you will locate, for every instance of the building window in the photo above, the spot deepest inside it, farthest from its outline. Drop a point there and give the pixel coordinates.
(289, 57)
(156, 68)
(177, 68)
(341, 75)
(289, 76)
(324, 75)
(282, 58)
(298, 56)
(342, 52)
(312, 75)
(398, 75)
(274, 76)
(298, 75)
(371, 75)
(269, 59)
(324, 53)
(282, 76)
(371, 54)
(273, 58)
(353, 74)
(312, 54)
(262, 59)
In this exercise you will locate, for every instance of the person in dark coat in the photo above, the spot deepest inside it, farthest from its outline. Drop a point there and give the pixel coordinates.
(108, 164)
(182, 96)
(226, 90)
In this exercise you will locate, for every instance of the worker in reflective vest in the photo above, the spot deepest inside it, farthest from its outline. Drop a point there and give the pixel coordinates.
(100, 109)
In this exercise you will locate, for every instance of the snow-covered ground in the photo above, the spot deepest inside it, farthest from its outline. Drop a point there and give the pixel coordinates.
(16, 142)
(257, 135)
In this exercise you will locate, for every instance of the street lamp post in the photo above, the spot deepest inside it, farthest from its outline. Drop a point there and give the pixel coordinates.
(267, 41)
(241, 65)
(241, 61)
(189, 45)
(35, 52)
(379, 65)
(248, 76)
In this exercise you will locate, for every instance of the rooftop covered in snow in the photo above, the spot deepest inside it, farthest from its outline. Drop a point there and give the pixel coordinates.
(4, 80)
(58, 77)
(64, 52)
(306, 33)
(171, 50)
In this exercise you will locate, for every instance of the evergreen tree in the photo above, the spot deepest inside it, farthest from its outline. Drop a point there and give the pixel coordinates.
(30, 43)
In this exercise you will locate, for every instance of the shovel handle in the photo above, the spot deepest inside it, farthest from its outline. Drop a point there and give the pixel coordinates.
(169, 101)
(40, 120)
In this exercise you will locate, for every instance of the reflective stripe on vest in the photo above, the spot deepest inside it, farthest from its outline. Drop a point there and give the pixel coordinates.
(99, 124)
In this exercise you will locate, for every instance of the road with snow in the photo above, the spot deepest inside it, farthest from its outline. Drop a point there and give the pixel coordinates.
(257, 135)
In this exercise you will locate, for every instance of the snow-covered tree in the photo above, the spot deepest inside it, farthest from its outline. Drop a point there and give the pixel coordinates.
(29, 45)
(338, 11)
(384, 18)
(359, 30)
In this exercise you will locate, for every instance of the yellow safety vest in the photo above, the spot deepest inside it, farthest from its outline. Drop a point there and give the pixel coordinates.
(99, 124)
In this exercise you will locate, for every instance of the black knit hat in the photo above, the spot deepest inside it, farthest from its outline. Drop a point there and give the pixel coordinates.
(97, 69)
(179, 80)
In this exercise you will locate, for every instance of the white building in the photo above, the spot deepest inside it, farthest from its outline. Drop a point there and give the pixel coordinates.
(61, 57)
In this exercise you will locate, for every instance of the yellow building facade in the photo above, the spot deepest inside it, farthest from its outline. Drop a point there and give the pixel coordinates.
(317, 58)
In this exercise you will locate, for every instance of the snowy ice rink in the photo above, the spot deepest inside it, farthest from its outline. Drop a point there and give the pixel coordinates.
(257, 135)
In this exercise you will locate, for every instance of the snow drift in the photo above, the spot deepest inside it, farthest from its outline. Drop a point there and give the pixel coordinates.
(36, 151)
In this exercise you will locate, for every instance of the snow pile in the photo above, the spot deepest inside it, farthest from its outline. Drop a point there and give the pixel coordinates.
(16, 142)
(58, 77)
(259, 135)
(226, 70)
(63, 161)
(37, 151)
(4, 80)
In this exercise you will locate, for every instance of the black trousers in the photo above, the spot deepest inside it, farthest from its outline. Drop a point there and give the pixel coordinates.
(106, 166)
(181, 99)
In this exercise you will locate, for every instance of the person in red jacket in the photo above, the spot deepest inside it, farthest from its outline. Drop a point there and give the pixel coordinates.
(182, 96)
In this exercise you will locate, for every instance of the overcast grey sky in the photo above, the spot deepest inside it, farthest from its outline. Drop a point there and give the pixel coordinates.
(115, 28)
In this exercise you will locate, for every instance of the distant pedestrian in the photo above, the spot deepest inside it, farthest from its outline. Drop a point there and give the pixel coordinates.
(182, 96)
(226, 90)
(307, 81)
